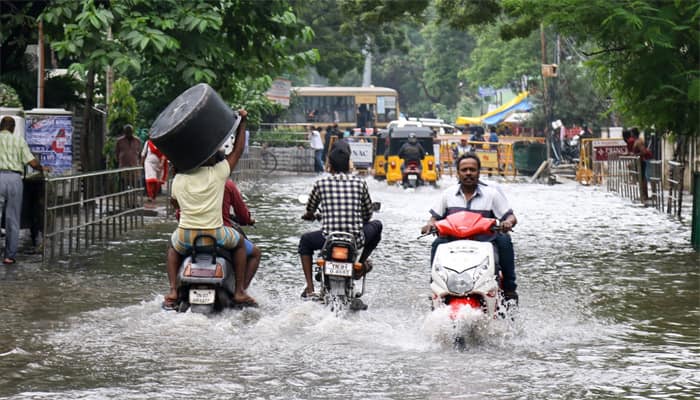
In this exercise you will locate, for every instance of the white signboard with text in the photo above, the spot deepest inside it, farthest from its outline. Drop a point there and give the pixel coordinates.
(362, 154)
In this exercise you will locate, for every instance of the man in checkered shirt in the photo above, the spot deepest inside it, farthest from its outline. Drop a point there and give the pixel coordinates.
(346, 206)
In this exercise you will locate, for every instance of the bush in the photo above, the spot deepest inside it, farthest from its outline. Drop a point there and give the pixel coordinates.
(9, 97)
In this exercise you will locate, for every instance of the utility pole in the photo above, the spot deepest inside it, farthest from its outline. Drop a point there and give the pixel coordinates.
(544, 94)
(40, 67)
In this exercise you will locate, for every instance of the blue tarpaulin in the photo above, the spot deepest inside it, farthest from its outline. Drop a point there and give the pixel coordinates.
(523, 105)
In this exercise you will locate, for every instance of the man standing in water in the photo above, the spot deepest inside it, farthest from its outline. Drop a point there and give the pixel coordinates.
(475, 196)
(199, 194)
(347, 207)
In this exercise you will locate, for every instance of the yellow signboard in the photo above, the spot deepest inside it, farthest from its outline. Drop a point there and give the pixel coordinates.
(488, 158)
(365, 99)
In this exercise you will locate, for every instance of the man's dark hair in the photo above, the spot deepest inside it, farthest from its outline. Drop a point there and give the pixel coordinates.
(7, 123)
(465, 156)
(339, 156)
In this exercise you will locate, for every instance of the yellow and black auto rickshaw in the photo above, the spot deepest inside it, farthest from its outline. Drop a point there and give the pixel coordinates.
(399, 136)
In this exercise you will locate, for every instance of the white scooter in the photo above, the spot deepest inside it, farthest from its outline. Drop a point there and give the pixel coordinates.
(465, 275)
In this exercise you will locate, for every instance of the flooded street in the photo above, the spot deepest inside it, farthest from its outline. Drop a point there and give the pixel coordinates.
(609, 309)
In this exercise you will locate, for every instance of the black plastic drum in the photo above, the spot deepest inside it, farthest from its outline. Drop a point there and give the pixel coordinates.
(193, 127)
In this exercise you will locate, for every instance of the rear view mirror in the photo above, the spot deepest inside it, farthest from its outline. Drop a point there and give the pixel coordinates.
(376, 206)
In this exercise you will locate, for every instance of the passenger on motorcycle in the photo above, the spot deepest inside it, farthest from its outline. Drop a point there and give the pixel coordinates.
(346, 207)
(233, 200)
(199, 196)
(475, 196)
(411, 151)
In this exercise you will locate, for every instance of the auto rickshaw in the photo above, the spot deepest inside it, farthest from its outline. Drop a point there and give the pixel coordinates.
(379, 165)
(399, 136)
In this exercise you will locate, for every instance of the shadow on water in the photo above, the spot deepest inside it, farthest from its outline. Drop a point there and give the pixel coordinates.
(609, 308)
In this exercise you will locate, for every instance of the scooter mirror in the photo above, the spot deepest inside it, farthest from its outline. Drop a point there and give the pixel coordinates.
(376, 206)
(303, 199)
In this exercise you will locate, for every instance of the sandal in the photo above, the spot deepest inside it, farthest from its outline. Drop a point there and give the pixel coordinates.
(309, 295)
(245, 304)
(169, 304)
(9, 261)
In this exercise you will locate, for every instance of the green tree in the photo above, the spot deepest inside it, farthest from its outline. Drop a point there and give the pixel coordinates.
(166, 46)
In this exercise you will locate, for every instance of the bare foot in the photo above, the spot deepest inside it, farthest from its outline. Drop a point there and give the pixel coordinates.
(243, 298)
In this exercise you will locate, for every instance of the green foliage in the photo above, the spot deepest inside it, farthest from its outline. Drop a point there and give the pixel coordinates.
(122, 107)
(9, 97)
(499, 63)
(646, 54)
(166, 46)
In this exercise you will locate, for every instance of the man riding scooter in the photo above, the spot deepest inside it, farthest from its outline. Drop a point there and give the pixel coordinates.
(412, 154)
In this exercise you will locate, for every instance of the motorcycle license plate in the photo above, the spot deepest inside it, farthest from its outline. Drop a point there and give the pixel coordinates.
(338, 269)
(412, 177)
(202, 296)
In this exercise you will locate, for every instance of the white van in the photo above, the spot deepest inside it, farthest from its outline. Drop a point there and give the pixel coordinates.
(437, 125)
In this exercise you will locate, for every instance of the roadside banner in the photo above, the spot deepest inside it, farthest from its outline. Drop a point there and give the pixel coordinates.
(50, 138)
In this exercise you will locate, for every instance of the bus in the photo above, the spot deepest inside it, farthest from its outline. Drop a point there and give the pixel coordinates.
(349, 107)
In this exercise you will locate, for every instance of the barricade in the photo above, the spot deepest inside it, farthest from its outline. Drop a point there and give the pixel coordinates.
(623, 176)
(81, 210)
(496, 157)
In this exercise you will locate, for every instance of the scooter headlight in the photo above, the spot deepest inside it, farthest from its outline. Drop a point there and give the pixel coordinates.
(460, 283)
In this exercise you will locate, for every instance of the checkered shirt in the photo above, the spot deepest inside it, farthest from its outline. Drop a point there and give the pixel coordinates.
(344, 203)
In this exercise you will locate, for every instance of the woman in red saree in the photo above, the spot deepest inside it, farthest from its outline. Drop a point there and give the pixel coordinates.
(156, 168)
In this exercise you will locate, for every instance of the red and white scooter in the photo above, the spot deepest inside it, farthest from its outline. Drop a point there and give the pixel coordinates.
(465, 271)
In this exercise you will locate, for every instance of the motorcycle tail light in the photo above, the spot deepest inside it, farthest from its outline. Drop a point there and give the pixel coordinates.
(188, 270)
(393, 164)
(430, 165)
(219, 272)
(339, 253)
(320, 262)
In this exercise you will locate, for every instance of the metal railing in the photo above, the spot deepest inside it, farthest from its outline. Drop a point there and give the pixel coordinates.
(623, 176)
(85, 209)
(675, 188)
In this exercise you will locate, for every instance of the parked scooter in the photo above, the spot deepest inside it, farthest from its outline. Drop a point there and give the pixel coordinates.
(206, 279)
(570, 149)
(465, 276)
(411, 175)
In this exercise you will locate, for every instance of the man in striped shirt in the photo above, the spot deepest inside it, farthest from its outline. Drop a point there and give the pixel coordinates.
(14, 155)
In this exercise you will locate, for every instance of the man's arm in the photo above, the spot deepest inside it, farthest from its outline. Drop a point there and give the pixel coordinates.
(239, 207)
(239, 144)
(312, 204)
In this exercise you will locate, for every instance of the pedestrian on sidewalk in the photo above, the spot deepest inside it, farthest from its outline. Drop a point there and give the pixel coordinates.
(14, 155)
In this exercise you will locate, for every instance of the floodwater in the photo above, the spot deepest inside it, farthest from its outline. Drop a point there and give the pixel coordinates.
(609, 309)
